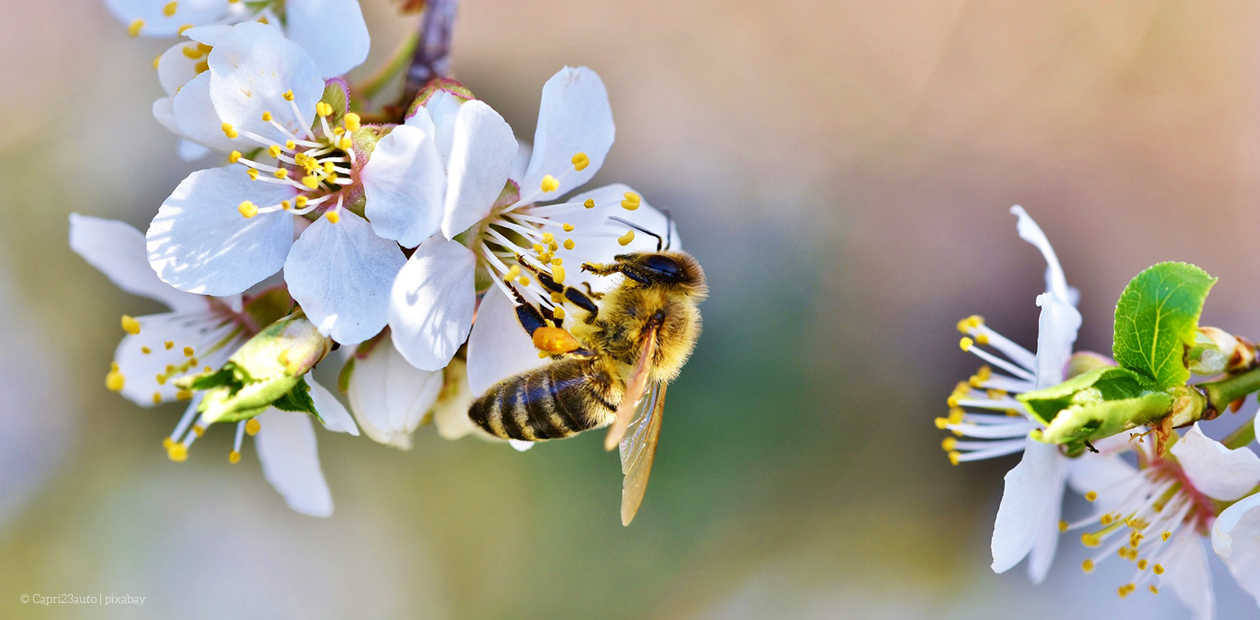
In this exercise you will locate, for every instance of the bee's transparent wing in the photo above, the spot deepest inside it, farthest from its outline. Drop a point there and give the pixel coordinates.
(636, 385)
(638, 450)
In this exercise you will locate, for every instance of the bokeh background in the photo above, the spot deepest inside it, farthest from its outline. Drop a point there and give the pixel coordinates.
(842, 169)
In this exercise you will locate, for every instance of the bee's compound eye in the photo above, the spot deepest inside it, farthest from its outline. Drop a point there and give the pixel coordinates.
(666, 267)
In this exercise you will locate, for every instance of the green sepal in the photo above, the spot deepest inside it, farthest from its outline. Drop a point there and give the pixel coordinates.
(435, 86)
(299, 400)
(1097, 404)
(337, 95)
(1157, 319)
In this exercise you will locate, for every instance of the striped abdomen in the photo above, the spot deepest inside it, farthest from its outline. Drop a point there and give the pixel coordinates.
(552, 402)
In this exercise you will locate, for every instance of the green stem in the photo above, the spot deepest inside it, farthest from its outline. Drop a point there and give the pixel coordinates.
(1241, 437)
(1221, 393)
(397, 64)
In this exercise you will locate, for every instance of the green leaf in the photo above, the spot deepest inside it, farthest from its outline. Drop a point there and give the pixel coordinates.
(298, 399)
(1157, 319)
(1097, 404)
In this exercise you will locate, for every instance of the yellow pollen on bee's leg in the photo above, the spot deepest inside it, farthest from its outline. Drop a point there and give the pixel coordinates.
(170, 8)
(114, 379)
(247, 209)
(966, 343)
(133, 29)
(234, 457)
(589, 204)
(288, 95)
(177, 452)
(234, 157)
(352, 121)
(580, 162)
(130, 325)
(229, 131)
(549, 184)
(626, 238)
(252, 427)
(631, 202)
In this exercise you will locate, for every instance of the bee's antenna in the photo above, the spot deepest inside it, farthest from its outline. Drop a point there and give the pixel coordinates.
(641, 229)
(669, 229)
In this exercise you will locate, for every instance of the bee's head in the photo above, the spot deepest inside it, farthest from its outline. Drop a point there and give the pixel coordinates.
(663, 268)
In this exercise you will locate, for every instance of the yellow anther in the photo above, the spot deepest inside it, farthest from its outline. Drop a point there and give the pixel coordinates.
(524, 280)
(513, 272)
(1090, 540)
(234, 457)
(234, 157)
(161, 379)
(247, 209)
(1165, 536)
(262, 19)
(323, 109)
(274, 150)
(252, 427)
(557, 261)
(966, 343)
(941, 423)
(157, 398)
(352, 121)
(626, 238)
(954, 457)
(984, 374)
(191, 52)
(229, 131)
(589, 204)
(333, 216)
(631, 202)
(205, 49)
(949, 443)
(1158, 569)
(1087, 566)
(1106, 519)
(130, 325)
(199, 429)
(177, 452)
(169, 9)
(345, 143)
(538, 248)
(553, 246)
(1091, 496)
(557, 298)
(266, 116)
(167, 442)
(329, 168)
(996, 394)
(1124, 590)
(310, 181)
(157, 60)
(169, 345)
(1063, 526)
(982, 338)
(133, 29)
(286, 205)
(300, 202)
(202, 66)
(183, 395)
(146, 350)
(289, 145)
(188, 352)
(253, 174)
(549, 184)
(281, 173)
(185, 28)
(288, 95)
(1153, 589)
(114, 379)
(568, 244)
(1141, 564)
(557, 274)
(558, 313)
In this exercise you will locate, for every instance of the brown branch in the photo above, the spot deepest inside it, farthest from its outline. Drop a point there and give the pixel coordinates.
(432, 57)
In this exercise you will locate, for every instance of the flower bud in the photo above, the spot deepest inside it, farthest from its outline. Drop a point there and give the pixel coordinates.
(1101, 403)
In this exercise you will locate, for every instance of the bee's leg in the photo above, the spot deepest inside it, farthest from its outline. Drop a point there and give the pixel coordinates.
(590, 292)
(544, 278)
(574, 296)
(529, 316)
(579, 299)
(621, 267)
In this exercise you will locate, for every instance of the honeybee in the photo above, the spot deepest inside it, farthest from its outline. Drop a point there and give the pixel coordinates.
(611, 368)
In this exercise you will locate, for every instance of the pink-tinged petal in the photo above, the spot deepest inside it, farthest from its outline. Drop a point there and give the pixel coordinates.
(195, 116)
(389, 396)
(253, 68)
(431, 306)
(200, 243)
(498, 347)
(403, 184)
(1056, 282)
(1236, 538)
(334, 414)
(1215, 470)
(341, 274)
(1056, 333)
(331, 31)
(1030, 509)
(574, 117)
(117, 250)
(290, 461)
(1187, 574)
(157, 23)
(480, 159)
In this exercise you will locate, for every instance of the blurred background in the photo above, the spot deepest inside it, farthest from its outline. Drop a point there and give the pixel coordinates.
(843, 170)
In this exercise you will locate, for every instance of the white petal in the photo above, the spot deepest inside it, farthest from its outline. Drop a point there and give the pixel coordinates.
(1108, 475)
(195, 116)
(498, 347)
(603, 245)
(211, 35)
(175, 68)
(341, 274)
(443, 110)
(1030, 509)
(1187, 574)
(190, 151)
(1056, 333)
(157, 23)
(200, 330)
(520, 446)
(336, 418)
(252, 70)
(331, 31)
(574, 117)
(390, 396)
(422, 120)
(199, 242)
(117, 250)
(164, 113)
(290, 461)
(1215, 470)
(403, 185)
(431, 306)
(1236, 538)
(521, 163)
(480, 159)
(450, 414)
(1029, 231)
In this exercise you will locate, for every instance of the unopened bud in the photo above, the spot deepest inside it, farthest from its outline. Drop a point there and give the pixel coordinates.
(1101, 403)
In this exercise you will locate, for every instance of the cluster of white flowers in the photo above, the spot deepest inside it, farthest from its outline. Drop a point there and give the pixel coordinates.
(397, 236)
(1153, 509)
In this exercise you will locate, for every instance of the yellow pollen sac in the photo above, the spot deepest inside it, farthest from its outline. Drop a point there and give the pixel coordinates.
(966, 343)
(568, 244)
(252, 427)
(266, 116)
(554, 340)
(157, 398)
(185, 28)
(146, 350)
(942, 423)
(581, 161)
(1158, 569)
(133, 29)
(558, 313)
(352, 121)
(1141, 564)
(114, 379)
(948, 444)
(234, 457)
(130, 325)
(177, 452)
(169, 9)
(1165, 536)
(234, 157)
(323, 109)
(626, 238)
(1090, 540)
(183, 395)
(286, 205)
(300, 202)
(282, 173)
(567, 227)
(169, 345)
(557, 274)
(549, 184)
(982, 338)
(191, 52)
(333, 217)
(247, 210)
(310, 181)
(1091, 496)
(229, 131)
(1087, 566)
(188, 351)
(1063, 526)
(954, 457)
(538, 249)
(253, 174)
(274, 150)
(589, 204)
(288, 95)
